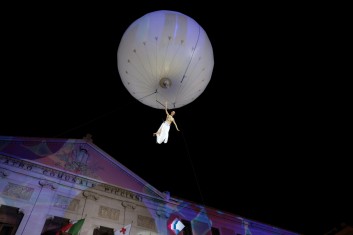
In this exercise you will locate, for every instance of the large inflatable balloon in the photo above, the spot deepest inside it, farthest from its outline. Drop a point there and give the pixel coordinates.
(165, 56)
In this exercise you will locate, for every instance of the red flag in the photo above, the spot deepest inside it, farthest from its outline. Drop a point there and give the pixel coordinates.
(64, 229)
(124, 230)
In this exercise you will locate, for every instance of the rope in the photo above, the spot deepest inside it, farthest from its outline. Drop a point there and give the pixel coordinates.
(193, 170)
(34, 205)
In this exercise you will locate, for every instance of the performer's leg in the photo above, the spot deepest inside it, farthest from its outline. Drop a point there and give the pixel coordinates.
(158, 132)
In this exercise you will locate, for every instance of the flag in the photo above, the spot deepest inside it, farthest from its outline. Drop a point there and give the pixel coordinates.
(124, 230)
(71, 228)
(75, 228)
(64, 229)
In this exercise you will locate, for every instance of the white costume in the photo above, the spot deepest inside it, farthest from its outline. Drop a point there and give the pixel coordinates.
(163, 133)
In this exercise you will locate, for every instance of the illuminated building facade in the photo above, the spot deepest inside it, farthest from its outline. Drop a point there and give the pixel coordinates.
(47, 184)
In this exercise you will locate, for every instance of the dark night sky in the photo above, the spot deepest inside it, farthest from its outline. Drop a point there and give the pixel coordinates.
(266, 140)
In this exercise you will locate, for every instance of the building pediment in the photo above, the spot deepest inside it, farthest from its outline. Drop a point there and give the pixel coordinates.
(76, 156)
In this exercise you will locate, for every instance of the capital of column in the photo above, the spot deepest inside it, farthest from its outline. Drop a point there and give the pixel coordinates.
(90, 195)
(47, 184)
(128, 205)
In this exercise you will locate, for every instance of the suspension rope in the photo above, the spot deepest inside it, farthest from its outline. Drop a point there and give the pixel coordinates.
(193, 170)
(34, 205)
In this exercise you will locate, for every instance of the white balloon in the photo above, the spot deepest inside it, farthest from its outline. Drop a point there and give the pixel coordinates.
(165, 56)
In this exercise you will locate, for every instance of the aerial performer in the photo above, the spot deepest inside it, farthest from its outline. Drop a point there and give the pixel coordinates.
(163, 131)
(165, 57)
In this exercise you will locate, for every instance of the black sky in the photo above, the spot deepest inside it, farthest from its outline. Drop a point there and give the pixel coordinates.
(266, 140)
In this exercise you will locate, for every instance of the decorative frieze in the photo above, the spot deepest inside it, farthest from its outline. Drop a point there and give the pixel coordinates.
(66, 203)
(108, 213)
(18, 191)
(146, 222)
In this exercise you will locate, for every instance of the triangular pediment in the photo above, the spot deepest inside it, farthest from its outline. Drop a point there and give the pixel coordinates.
(76, 156)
